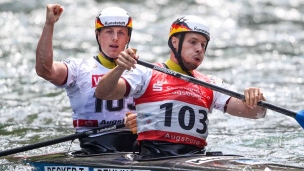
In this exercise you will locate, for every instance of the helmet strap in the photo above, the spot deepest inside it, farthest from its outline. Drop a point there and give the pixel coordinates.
(206, 45)
(178, 54)
(180, 43)
(98, 41)
(130, 34)
(100, 50)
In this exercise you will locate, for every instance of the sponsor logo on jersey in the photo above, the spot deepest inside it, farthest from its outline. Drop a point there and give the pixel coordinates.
(182, 138)
(85, 123)
(184, 91)
(147, 114)
(111, 122)
(157, 87)
(96, 79)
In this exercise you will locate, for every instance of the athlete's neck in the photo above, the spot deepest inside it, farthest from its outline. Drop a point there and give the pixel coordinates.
(175, 67)
(105, 62)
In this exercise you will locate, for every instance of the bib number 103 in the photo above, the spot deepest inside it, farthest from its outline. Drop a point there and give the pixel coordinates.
(168, 107)
(110, 105)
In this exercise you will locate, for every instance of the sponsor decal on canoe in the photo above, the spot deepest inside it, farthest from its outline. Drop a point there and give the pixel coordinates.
(252, 162)
(65, 168)
(114, 169)
(211, 159)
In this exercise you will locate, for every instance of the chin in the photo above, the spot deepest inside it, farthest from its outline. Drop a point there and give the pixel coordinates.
(113, 55)
(192, 67)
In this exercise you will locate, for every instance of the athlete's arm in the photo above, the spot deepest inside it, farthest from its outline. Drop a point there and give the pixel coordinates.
(55, 72)
(249, 108)
(111, 86)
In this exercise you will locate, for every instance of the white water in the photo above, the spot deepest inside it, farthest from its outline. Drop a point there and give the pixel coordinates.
(253, 43)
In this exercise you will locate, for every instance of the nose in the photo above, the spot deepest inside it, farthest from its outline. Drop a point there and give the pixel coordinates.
(115, 36)
(199, 48)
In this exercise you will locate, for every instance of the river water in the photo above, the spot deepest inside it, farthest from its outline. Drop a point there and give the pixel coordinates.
(253, 43)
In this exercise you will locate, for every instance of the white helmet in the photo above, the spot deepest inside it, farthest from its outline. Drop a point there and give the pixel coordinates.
(189, 23)
(113, 16)
(110, 17)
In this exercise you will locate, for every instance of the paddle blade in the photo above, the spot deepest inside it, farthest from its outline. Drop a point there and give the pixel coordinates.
(300, 118)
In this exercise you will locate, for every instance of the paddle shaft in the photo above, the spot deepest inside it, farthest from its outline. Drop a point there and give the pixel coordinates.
(62, 139)
(215, 88)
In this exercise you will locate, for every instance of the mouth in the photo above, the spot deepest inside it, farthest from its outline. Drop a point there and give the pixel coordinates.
(114, 46)
(197, 59)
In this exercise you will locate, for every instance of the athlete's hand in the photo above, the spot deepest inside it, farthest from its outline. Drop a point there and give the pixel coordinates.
(53, 12)
(252, 96)
(127, 59)
(130, 122)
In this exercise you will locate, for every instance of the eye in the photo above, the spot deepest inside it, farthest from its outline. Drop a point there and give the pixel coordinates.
(121, 33)
(109, 31)
(193, 42)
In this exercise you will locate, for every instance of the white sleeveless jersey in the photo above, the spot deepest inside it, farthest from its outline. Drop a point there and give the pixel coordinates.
(171, 109)
(88, 111)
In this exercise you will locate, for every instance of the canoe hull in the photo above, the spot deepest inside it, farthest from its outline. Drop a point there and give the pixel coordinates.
(125, 162)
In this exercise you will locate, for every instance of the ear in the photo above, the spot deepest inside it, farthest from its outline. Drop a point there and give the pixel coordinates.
(175, 41)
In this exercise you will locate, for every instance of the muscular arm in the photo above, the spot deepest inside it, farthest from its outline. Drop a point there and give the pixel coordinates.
(237, 107)
(55, 72)
(111, 86)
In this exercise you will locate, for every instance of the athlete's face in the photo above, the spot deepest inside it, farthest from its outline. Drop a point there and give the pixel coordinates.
(113, 40)
(193, 50)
